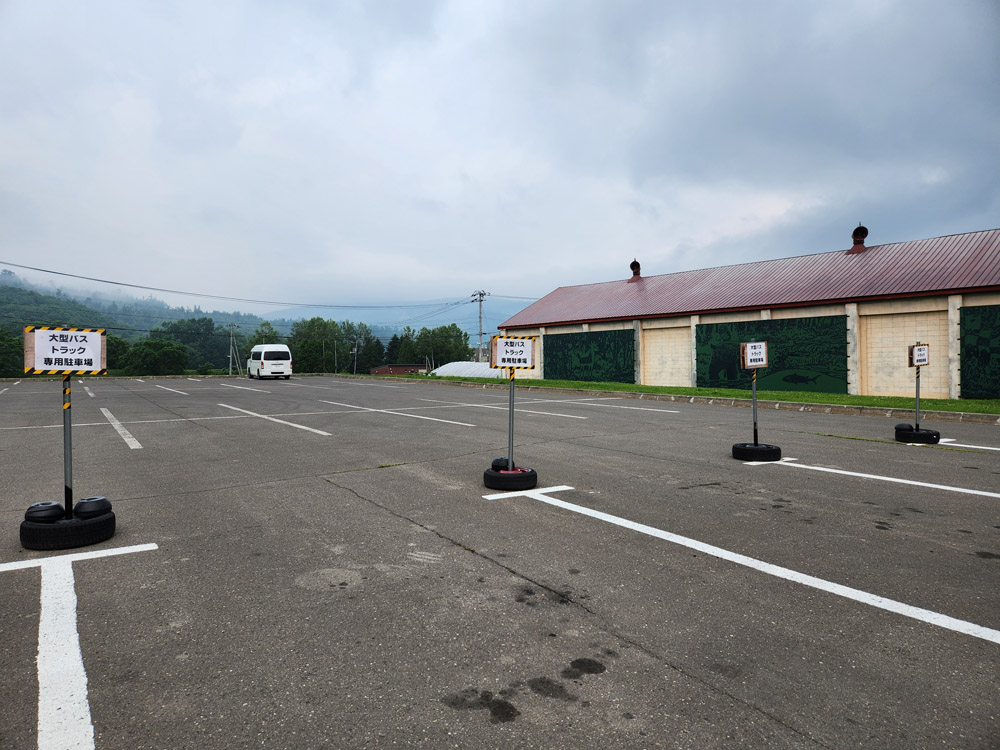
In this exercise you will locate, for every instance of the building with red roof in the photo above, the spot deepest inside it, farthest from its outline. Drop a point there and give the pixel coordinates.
(839, 322)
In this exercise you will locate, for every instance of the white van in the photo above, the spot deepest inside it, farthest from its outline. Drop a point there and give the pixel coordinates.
(270, 361)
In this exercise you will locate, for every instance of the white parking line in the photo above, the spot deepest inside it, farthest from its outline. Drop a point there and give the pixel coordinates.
(872, 600)
(618, 406)
(279, 421)
(64, 719)
(454, 404)
(397, 413)
(174, 390)
(793, 462)
(130, 441)
(950, 443)
(244, 388)
(89, 392)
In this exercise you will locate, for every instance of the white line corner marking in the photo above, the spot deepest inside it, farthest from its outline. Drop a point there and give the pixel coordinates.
(873, 600)
(130, 441)
(63, 707)
(272, 419)
(947, 488)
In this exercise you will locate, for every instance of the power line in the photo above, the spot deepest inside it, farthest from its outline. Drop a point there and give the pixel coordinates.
(219, 297)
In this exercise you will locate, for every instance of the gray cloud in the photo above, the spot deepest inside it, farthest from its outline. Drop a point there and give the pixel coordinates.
(366, 152)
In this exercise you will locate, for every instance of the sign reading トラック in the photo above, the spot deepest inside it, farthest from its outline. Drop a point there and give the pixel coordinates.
(54, 351)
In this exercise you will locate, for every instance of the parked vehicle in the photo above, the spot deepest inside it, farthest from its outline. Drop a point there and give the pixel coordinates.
(270, 361)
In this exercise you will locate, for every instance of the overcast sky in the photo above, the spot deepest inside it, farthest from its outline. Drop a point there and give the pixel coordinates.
(369, 152)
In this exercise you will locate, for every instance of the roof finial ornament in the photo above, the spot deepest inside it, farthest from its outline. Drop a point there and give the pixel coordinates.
(634, 265)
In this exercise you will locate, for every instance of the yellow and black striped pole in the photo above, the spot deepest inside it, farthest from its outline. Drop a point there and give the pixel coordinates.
(67, 446)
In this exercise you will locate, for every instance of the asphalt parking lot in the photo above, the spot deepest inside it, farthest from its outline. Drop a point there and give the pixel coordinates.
(315, 563)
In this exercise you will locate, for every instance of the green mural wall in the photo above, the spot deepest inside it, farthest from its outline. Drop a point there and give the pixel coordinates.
(980, 342)
(804, 354)
(596, 356)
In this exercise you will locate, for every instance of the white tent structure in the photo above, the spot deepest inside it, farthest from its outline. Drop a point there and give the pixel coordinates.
(469, 370)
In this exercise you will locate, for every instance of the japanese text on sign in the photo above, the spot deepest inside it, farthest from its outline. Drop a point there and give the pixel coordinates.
(753, 354)
(920, 355)
(513, 352)
(62, 349)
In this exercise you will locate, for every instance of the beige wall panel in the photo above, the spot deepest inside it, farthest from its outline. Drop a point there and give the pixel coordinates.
(734, 317)
(900, 306)
(653, 323)
(978, 300)
(666, 357)
(617, 325)
(819, 311)
(884, 342)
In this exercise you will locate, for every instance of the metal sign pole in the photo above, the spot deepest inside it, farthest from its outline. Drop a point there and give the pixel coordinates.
(510, 425)
(67, 447)
(753, 386)
(916, 424)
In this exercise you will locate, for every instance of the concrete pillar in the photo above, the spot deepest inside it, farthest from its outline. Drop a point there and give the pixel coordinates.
(637, 337)
(954, 346)
(853, 350)
(694, 351)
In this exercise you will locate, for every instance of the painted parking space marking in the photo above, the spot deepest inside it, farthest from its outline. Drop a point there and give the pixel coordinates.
(244, 388)
(621, 406)
(863, 597)
(89, 392)
(130, 441)
(64, 719)
(398, 413)
(173, 390)
(794, 463)
(950, 443)
(278, 421)
(457, 404)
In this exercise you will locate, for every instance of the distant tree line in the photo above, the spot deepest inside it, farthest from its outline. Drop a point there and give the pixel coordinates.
(324, 346)
(204, 343)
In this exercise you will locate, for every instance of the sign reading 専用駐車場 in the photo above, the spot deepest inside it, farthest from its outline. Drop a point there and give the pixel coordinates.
(517, 352)
(64, 351)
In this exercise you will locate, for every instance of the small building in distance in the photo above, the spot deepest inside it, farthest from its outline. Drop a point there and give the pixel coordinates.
(835, 322)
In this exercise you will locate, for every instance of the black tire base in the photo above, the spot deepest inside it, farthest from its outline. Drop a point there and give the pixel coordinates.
(519, 479)
(759, 452)
(907, 434)
(500, 464)
(67, 533)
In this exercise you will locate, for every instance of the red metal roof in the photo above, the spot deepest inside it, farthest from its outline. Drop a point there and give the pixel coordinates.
(943, 265)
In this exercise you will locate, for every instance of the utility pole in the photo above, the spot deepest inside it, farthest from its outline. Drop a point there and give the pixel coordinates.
(479, 295)
(232, 347)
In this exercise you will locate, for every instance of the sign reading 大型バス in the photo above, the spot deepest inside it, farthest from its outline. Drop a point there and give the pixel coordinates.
(64, 351)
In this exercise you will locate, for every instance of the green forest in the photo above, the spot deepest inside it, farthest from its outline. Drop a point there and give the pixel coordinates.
(179, 341)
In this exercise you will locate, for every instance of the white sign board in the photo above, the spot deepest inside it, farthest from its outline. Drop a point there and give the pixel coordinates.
(753, 354)
(517, 352)
(920, 355)
(64, 350)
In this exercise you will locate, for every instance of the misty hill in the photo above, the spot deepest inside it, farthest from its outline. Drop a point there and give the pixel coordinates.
(23, 303)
